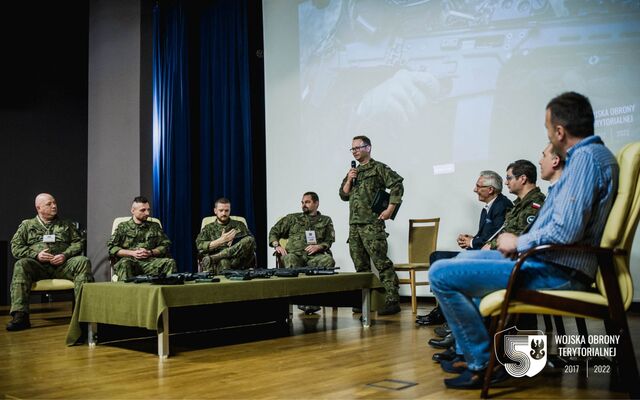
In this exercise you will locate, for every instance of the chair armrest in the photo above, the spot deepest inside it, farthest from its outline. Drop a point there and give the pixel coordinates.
(605, 262)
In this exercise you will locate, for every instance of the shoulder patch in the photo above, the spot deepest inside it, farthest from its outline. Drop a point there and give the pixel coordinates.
(535, 205)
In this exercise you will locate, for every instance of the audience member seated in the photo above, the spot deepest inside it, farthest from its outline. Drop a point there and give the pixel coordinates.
(583, 197)
(225, 243)
(489, 190)
(46, 247)
(140, 246)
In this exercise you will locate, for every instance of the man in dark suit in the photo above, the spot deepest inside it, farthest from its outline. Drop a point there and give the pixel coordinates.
(489, 190)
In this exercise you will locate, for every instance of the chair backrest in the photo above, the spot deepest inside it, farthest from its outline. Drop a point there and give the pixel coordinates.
(423, 239)
(623, 219)
(120, 220)
(212, 218)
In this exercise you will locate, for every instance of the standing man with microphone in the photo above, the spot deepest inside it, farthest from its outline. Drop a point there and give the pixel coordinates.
(367, 235)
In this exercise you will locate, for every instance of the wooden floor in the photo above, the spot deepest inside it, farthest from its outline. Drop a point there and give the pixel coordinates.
(324, 356)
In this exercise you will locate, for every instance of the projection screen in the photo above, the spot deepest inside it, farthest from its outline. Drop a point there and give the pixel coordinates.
(443, 88)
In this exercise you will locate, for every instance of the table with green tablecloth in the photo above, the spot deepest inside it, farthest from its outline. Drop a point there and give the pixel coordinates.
(147, 306)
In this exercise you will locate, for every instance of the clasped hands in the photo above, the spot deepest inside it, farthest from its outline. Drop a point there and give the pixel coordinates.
(310, 249)
(45, 257)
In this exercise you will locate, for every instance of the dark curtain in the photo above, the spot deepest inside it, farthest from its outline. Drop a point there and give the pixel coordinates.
(171, 131)
(225, 109)
(201, 49)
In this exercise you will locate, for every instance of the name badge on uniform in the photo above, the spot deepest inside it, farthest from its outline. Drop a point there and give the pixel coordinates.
(311, 237)
(49, 238)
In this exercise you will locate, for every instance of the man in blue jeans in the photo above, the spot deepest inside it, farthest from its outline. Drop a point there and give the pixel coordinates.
(575, 212)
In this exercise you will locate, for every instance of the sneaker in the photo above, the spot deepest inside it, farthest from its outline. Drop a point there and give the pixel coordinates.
(390, 309)
(19, 322)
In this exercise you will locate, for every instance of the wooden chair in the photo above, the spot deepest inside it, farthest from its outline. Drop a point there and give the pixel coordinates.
(210, 219)
(423, 239)
(614, 289)
(117, 221)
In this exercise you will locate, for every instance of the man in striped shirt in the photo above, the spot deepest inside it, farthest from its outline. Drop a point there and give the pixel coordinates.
(575, 213)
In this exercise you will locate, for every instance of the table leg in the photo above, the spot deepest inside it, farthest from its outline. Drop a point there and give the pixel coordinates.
(366, 308)
(163, 337)
(92, 334)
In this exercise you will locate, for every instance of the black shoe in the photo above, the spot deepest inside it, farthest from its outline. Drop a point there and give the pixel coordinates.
(475, 379)
(442, 331)
(443, 343)
(19, 322)
(435, 317)
(309, 309)
(356, 310)
(447, 355)
(390, 309)
(467, 380)
(456, 366)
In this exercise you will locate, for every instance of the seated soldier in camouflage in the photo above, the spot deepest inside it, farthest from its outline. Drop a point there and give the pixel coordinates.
(225, 243)
(521, 181)
(140, 246)
(45, 247)
(310, 237)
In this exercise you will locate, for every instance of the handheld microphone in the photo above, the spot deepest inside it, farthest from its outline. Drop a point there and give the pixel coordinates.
(353, 181)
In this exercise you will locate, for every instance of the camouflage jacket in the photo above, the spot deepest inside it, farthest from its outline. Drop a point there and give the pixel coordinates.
(293, 227)
(28, 239)
(522, 214)
(372, 176)
(131, 236)
(214, 230)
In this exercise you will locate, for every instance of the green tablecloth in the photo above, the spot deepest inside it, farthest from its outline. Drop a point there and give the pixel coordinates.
(140, 305)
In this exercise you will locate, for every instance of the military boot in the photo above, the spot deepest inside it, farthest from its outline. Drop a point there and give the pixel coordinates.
(20, 321)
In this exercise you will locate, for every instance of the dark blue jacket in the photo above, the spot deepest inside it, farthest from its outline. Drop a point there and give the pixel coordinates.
(493, 221)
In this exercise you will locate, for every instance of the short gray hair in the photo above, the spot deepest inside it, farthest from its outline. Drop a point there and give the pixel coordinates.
(493, 179)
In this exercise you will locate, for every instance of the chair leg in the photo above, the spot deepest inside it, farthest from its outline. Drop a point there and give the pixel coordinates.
(626, 358)
(548, 325)
(581, 324)
(412, 283)
(492, 358)
(559, 325)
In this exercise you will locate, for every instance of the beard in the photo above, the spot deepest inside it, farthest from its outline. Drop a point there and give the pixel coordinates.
(305, 210)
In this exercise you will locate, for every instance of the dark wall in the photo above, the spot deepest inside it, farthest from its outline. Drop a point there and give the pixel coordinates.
(43, 109)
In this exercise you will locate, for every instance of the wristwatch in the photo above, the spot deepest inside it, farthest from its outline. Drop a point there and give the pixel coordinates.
(275, 244)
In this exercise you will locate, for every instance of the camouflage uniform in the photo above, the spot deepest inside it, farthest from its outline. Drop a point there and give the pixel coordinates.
(147, 235)
(28, 242)
(293, 227)
(367, 235)
(239, 255)
(522, 214)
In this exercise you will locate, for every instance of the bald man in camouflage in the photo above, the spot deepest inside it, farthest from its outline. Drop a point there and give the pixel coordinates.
(46, 247)
(139, 245)
(367, 235)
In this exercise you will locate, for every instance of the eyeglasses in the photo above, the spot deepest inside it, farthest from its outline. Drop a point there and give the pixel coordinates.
(354, 149)
(482, 186)
(508, 178)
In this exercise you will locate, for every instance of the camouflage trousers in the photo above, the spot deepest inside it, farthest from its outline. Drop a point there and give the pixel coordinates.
(27, 271)
(239, 256)
(302, 259)
(128, 267)
(367, 244)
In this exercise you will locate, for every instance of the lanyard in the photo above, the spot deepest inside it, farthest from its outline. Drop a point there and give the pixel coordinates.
(46, 228)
